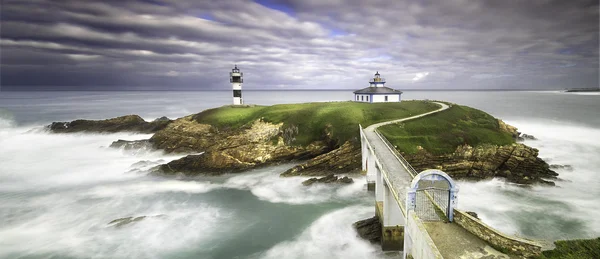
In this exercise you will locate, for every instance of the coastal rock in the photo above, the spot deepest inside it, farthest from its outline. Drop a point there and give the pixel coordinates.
(473, 214)
(131, 144)
(120, 222)
(232, 151)
(508, 128)
(527, 136)
(564, 167)
(133, 123)
(163, 118)
(369, 229)
(345, 159)
(185, 136)
(331, 178)
(518, 163)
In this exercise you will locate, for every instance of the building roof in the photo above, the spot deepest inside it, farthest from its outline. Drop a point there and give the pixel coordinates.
(377, 90)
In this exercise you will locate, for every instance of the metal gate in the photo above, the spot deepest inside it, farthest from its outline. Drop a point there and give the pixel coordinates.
(432, 203)
(432, 196)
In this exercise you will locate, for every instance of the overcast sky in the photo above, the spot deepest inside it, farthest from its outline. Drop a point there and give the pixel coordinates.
(298, 44)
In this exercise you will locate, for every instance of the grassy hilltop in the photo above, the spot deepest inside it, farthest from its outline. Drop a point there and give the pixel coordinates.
(443, 132)
(438, 133)
(341, 119)
(573, 249)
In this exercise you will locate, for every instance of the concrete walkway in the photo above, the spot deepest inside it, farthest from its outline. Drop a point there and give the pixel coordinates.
(453, 241)
(377, 125)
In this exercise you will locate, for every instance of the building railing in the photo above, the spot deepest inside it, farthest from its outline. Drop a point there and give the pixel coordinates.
(377, 80)
(236, 80)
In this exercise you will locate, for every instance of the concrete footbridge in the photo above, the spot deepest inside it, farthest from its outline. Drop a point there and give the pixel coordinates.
(418, 212)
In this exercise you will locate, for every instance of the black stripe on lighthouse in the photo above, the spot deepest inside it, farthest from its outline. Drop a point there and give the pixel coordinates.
(237, 93)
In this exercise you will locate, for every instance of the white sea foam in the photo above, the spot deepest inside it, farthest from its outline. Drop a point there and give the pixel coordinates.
(569, 210)
(152, 187)
(59, 191)
(38, 159)
(80, 228)
(269, 186)
(330, 236)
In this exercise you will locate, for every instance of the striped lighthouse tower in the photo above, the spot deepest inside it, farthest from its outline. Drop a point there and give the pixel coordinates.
(236, 78)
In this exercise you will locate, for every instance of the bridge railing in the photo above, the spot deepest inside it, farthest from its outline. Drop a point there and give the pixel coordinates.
(402, 160)
(413, 172)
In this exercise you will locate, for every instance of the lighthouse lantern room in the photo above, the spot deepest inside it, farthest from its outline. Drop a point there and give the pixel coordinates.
(236, 78)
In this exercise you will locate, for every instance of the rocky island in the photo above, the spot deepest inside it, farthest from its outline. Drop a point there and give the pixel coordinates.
(323, 137)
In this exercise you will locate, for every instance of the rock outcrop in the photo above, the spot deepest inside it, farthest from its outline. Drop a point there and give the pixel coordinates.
(565, 167)
(131, 144)
(369, 229)
(331, 178)
(343, 160)
(473, 214)
(230, 151)
(184, 135)
(517, 162)
(510, 129)
(120, 222)
(133, 123)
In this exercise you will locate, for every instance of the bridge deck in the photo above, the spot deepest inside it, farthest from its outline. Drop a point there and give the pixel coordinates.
(454, 241)
(451, 240)
(397, 173)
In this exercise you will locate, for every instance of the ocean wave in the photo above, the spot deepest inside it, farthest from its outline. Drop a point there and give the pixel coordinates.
(546, 130)
(269, 186)
(569, 210)
(54, 160)
(7, 119)
(330, 236)
(74, 229)
(152, 187)
(584, 93)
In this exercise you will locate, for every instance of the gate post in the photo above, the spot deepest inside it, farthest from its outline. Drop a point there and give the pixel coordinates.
(411, 203)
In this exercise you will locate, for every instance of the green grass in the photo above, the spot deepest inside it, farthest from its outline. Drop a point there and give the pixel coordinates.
(573, 249)
(312, 118)
(442, 132)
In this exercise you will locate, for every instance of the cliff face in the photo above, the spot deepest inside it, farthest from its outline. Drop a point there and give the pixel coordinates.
(517, 163)
(261, 143)
(343, 160)
(184, 135)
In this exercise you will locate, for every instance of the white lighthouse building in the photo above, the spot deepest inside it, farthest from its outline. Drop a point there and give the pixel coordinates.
(236, 78)
(377, 92)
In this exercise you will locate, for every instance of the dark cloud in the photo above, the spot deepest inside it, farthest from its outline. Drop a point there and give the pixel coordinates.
(187, 44)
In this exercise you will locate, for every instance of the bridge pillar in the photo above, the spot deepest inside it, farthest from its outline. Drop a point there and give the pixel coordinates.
(364, 152)
(392, 238)
(371, 170)
(379, 194)
(379, 186)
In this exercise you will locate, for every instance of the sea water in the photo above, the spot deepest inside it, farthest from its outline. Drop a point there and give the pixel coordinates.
(58, 192)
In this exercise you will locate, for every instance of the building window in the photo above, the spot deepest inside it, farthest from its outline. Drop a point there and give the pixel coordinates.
(386, 98)
(367, 98)
(357, 97)
(362, 98)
